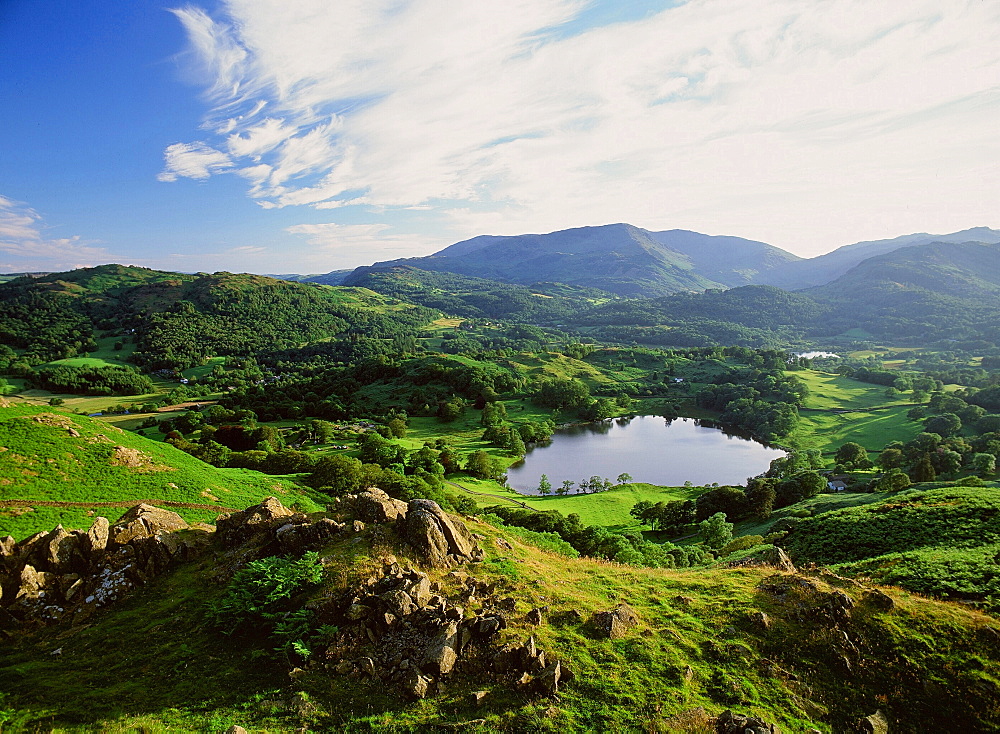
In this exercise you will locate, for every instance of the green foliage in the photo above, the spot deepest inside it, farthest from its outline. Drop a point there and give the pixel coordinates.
(544, 540)
(715, 531)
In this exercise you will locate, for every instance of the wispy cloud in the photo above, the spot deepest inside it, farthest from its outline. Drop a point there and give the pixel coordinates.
(24, 246)
(341, 244)
(803, 123)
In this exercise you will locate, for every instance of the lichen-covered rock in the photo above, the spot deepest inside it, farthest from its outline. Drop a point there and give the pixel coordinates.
(296, 538)
(616, 622)
(440, 540)
(374, 505)
(441, 654)
(264, 518)
(730, 723)
(97, 537)
(144, 521)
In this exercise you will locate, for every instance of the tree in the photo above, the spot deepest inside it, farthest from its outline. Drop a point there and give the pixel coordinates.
(565, 487)
(544, 485)
(924, 470)
(760, 496)
(946, 424)
(893, 481)
(342, 474)
(984, 464)
(715, 531)
(852, 456)
(624, 478)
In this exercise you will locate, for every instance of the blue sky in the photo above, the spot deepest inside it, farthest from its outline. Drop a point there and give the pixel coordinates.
(307, 136)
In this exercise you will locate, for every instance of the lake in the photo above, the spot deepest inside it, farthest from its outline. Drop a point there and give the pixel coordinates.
(817, 355)
(649, 448)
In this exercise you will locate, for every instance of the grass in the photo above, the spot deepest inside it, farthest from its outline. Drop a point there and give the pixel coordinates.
(695, 646)
(42, 461)
(820, 427)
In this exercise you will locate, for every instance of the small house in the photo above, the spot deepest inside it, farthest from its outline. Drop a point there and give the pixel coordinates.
(836, 485)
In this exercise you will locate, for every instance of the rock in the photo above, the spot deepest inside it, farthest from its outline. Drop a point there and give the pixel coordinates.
(63, 551)
(534, 617)
(777, 558)
(415, 685)
(683, 601)
(502, 544)
(367, 666)
(97, 537)
(374, 505)
(398, 602)
(357, 612)
(880, 600)
(688, 674)
(357, 526)
(761, 620)
(486, 627)
(476, 698)
(547, 681)
(239, 527)
(296, 538)
(33, 584)
(440, 540)
(877, 723)
(420, 590)
(730, 723)
(615, 623)
(144, 521)
(441, 654)
(234, 729)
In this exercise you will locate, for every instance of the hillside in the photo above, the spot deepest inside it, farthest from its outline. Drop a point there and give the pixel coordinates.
(58, 468)
(823, 269)
(374, 629)
(732, 261)
(618, 258)
(178, 320)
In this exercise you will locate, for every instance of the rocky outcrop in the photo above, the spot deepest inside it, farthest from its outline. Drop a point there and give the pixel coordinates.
(615, 623)
(440, 540)
(254, 522)
(374, 505)
(730, 723)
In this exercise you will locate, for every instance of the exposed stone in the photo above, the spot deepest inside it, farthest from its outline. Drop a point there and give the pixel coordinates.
(32, 583)
(374, 505)
(534, 617)
(880, 600)
(441, 655)
(616, 622)
(440, 540)
(357, 611)
(420, 590)
(476, 698)
(296, 538)
(502, 544)
(234, 729)
(241, 526)
(547, 681)
(777, 558)
(877, 723)
(367, 666)
(144, 521)
(730, 723)
(416, 685)
(761, 620)
(357, 526)
(97, 536)
(398, 602)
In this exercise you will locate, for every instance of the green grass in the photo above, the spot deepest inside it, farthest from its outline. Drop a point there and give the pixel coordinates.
(42, 461)
(695, 646)
(820, 428)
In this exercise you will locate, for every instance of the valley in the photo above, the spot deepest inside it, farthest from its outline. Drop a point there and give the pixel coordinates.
(372, 422)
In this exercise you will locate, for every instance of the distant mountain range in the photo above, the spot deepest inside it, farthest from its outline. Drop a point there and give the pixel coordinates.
(634, 262)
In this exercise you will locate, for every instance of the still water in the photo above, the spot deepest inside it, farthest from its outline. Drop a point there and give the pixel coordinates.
(649, 448)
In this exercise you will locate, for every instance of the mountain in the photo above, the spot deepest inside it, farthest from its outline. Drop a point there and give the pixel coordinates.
(732, 261)
(797, 274)
(619, 258)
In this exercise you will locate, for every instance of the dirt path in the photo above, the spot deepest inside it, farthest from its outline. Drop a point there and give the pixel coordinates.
(494, 496)
(130, 503)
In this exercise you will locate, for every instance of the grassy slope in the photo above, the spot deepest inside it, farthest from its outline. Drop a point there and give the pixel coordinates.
(128, 668)
(41, 460)
(873, 429)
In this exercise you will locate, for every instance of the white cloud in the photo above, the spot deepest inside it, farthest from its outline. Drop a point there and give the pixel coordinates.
(24, 247)
(193, 160)
(805, 123)
(347, 245)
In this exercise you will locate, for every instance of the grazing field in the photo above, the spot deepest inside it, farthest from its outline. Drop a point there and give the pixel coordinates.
(869, 418)
(54, 457)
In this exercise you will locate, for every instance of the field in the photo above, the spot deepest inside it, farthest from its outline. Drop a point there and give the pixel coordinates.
(821, 427)
(43, 461)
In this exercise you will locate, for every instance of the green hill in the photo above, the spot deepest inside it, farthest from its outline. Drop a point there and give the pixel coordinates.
(59, 468)
(537, 649)
(178, 320)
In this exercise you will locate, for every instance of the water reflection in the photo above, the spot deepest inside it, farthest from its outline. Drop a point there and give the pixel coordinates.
(665, 451)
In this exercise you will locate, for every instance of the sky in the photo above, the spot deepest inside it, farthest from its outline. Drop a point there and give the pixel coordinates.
(304, 136)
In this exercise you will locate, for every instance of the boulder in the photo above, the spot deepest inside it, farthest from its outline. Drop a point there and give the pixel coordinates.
(374, 505)
(547, 681)
(97, 537)
(144, 521)
(880, 600)
(261, 519)
(441, 653)
(777, 558)
(877, 723)
(730, 723)
(296, 538)
(616, 622)
(415, 685)
(440, 540)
